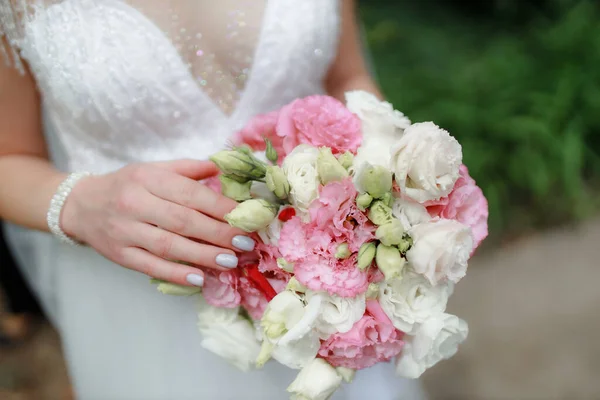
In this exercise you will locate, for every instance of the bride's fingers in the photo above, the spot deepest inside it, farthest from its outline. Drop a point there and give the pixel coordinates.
(190, 223)
(189, 193)
(171, 246)
(193, 169)
(142, 261)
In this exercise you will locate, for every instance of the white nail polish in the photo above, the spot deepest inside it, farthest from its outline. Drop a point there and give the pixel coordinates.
(227, 260)
(243, 243)
(194, 279)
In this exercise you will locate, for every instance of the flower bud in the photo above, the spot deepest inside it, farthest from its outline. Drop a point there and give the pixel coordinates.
(363, 201)
(388, 199)
(235, 190)
(372, 291)
(347, 374)
(295, 286)
(239, 164)
(390, 234)
(405, 244)
(266, 350)
(252, 215)
(346, 160)
(366, 253)
(389, 261)
(277, 182)
(375, 180)
(342, 251)
(328, 167)
(379, 213)
(284, 265)
(270, 152)
(173, 289)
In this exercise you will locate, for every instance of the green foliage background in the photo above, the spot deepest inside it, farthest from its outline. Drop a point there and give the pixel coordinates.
(517, 82)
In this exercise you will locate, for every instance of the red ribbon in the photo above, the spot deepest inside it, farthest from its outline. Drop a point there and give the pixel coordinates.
(260, 281)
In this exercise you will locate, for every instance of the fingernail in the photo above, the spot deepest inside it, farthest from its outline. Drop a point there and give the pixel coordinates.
(227, 260)
(243, 243)
(196, 280)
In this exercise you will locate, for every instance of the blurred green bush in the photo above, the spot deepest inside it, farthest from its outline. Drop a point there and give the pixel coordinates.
(522, 95)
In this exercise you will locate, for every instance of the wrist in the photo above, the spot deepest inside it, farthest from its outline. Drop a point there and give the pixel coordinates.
(63, 211)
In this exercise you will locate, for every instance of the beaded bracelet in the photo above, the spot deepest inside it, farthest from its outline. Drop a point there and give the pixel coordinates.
(57, 203)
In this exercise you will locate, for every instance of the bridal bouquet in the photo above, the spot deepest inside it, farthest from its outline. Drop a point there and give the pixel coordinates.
(364, 224)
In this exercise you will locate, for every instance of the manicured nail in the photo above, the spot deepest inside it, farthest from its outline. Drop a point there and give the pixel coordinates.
(243, 243)
(196, 280)
(227, 260)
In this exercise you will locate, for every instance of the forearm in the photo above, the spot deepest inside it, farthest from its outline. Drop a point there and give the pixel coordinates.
(27, 184)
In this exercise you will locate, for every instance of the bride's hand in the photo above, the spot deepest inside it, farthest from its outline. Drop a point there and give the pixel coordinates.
(144, 215)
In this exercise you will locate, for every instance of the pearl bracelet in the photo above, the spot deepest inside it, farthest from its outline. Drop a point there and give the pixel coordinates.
(57, 203)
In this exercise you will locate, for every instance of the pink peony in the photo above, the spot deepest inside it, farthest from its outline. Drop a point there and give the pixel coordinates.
(319, 121)
(334, 220)
(255, 132)
(371, 340)
(466, 204)
(267, 264)
(335, 212)
(221, 289)
(253, 300)
(298, 240)
(336, 277)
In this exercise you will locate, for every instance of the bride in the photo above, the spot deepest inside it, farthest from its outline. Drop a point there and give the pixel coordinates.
(107, 109)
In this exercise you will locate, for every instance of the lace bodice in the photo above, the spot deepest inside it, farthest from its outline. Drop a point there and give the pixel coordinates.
(146, 80)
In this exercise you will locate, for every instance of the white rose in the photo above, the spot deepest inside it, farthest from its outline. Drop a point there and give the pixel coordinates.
(437, 339)
(288, 331)
(410, 300)
(317, 381)
(270, 234)
(440, 250)
(382, 127)
(378, 117)
(227, 334)
(409, 212)
(338, 314)
(426, 161)
(300, 169)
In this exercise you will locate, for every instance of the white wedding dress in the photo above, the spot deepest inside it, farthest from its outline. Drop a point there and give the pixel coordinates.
(146, 80)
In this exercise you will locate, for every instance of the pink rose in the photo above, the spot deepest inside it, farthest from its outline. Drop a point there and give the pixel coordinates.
(319, 121)
(221, 289)
(336, 277)
(466, 204)
(371, 340)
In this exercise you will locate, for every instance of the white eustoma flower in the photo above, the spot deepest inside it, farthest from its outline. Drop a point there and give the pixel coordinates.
(409, 212)
(229, 335)
(288, 325)
(411, 300)
(316, 381)
(425, 162)
(382, 127)
(270, 234)
(437, 339)
(300, 168)
(441, 250)
(338, 314)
